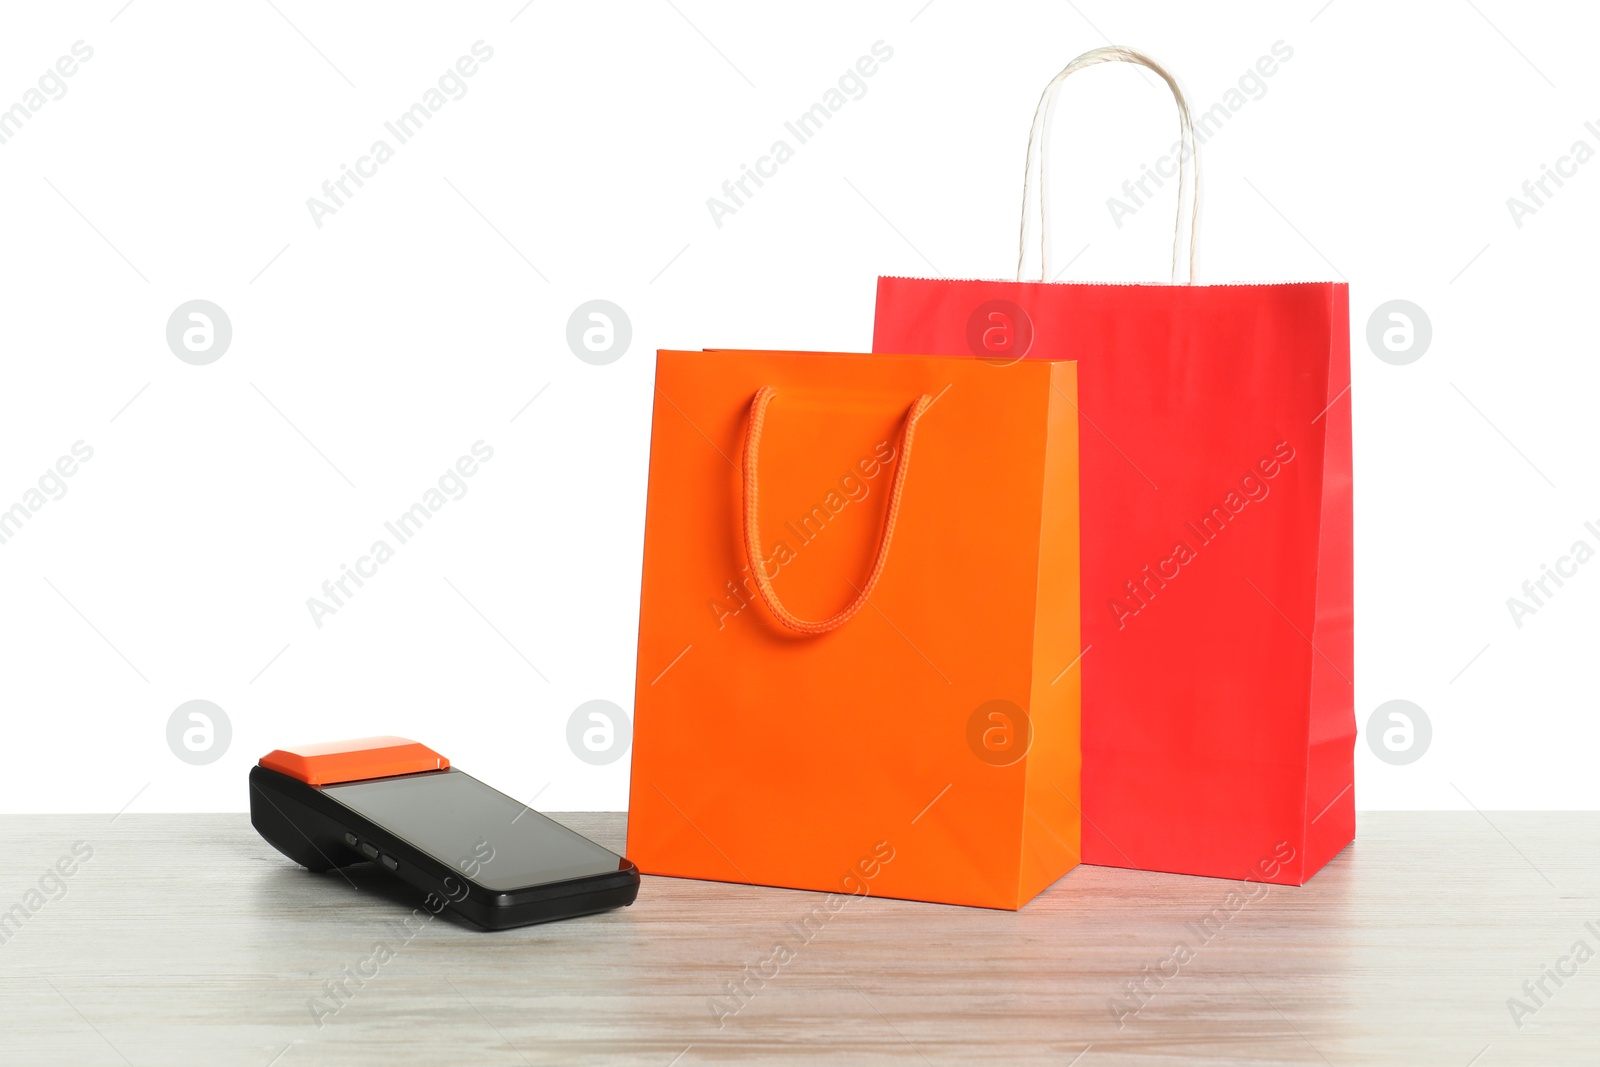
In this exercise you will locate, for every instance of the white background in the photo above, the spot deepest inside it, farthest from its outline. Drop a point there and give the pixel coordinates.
(415, 322)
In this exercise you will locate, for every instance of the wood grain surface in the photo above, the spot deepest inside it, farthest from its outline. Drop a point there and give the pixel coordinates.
(187, 940)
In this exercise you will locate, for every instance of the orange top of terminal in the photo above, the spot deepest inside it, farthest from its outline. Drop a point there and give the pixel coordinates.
(354, 761)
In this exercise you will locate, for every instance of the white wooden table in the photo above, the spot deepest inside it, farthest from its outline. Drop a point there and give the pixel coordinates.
(188, 940)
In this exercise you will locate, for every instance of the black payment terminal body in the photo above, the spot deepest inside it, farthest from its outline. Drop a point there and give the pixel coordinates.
(396, 803)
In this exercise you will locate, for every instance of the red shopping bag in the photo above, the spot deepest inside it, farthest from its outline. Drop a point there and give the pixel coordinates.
(1217, 576)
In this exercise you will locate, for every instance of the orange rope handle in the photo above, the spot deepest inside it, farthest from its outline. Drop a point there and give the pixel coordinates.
(752, 521)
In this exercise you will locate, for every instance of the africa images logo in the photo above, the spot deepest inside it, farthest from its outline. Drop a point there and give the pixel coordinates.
(451, 85)
(1253, 488)
(807, 125)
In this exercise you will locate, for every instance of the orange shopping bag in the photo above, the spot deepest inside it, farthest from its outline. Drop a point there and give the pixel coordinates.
(858, 627)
